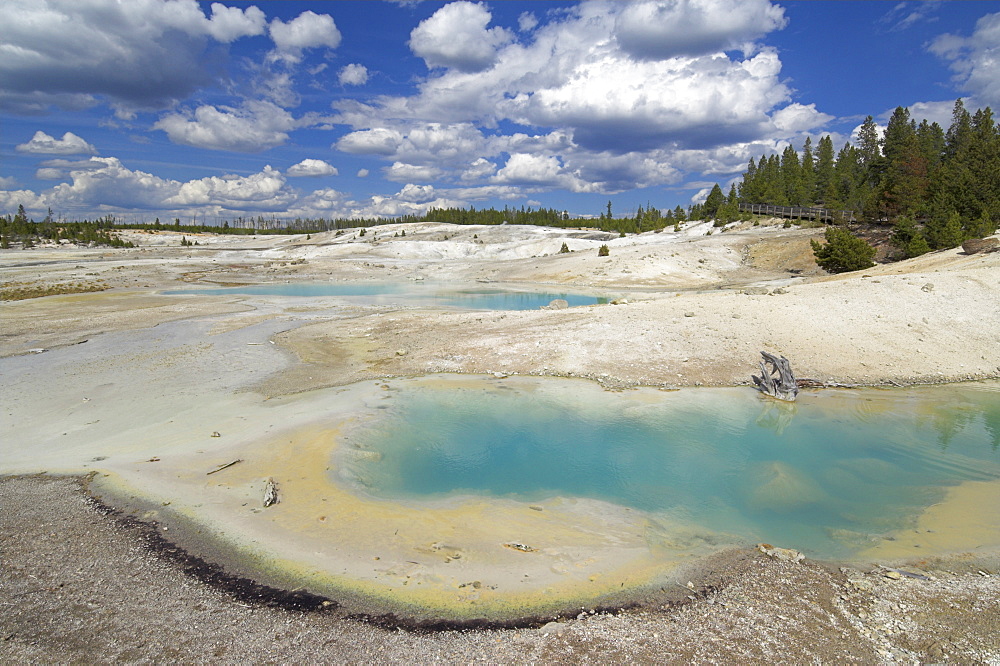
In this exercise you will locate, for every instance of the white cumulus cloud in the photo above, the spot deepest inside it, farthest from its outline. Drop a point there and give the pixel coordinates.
(69, 144)
(400, 172)
(377, 141)
(456, 36)
(353, 75)
(308, 30)
(524, 169)
(311, 167)
(252, 128)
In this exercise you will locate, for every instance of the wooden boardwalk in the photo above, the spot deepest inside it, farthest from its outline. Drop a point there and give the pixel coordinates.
(799, 212)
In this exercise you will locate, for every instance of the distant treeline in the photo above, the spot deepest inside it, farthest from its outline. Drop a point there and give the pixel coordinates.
(22, 230)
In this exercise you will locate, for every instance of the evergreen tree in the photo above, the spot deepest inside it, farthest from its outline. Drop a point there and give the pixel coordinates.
(849, 180)
(808, 177)
(791, 176)
(713, 202)
(908, 238)
(843, 251)
(826, 189)
(747, 189)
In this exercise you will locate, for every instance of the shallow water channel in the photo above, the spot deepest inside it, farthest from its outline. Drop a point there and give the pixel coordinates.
(411, 294)
(835, 473)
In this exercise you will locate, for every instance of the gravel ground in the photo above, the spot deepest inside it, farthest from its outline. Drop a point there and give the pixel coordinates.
(80, 585)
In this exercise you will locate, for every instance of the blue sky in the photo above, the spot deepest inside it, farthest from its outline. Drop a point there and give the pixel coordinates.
(208, 111)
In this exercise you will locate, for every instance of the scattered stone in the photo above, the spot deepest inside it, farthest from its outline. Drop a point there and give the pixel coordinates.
(556, 628)
(620, 301)
(688, 314)
(860, 585)
(780, 290)
(782, 554)
(501, 375)
(893, 575)
(756, 291)
(513, 545)
(929, 287)
(977, 245)
(215, 433)
(400, 352)
(557, 304)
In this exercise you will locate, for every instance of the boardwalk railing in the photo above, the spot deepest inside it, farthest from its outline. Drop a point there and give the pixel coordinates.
(800, 212)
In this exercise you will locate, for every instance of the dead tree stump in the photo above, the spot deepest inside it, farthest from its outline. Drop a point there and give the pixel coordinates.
(778, 380)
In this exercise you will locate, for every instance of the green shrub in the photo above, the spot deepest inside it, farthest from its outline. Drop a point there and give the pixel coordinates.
(564, 249)
(603, 251)
(843, 251)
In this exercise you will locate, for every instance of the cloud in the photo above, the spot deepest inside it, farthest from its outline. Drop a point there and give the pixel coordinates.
(63, 169)
(905, 14)
(308, 30)
(254, 127)
(527, 22)
(378, 141)
(353, 75)
(524, 169)
(230, 23)
(403, 173)
(7, 182)
(69, 144)
(661, 29)
(310, 167)
(144, 54)
(974, 59)
(480, 169)
(259, 191)
(796, 118)
(456, 36)
(416, 193)
(362, 173)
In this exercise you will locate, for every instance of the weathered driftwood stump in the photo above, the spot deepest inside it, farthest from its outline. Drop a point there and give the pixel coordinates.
(778, 380)
(270, 493)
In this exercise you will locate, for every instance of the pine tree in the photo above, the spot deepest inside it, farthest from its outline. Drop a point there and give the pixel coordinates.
(791, 176)
(808, 178)
(843, 251)
(908, 238)
(713, 202)
(826, 190)
(747, 189)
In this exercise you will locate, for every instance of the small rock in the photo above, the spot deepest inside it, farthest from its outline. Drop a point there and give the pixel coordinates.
(215, 433)
(929, 287)
(783, 554)
(620, 301)
(893, 575)
(756, 291)
(688, 314)
(558, 304)
(860, 585)
(400, 352)
(556, 628)
(780, 290)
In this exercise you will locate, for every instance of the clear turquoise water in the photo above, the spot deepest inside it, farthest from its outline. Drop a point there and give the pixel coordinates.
(416, 294)
(828, 475)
